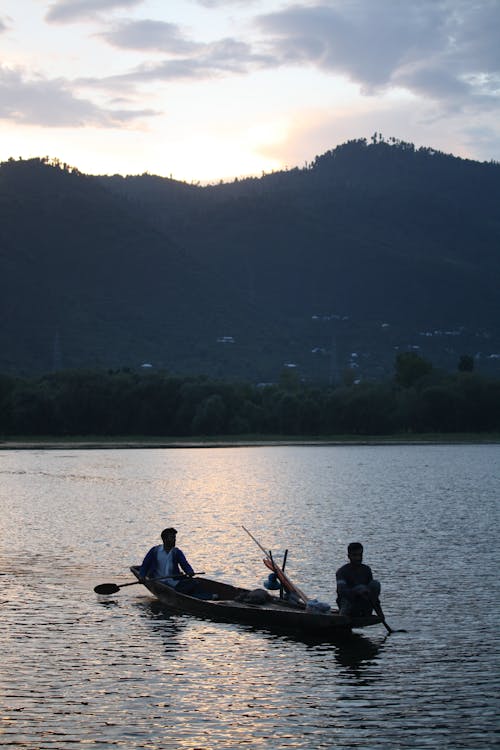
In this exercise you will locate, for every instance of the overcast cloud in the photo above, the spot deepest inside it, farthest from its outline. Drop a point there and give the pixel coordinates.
(222, 57)
(69, 11)
(222, 3)
(50, 103)
(446, 50)
(149, 35)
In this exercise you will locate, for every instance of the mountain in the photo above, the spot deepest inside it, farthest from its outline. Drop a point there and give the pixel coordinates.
(331, 269)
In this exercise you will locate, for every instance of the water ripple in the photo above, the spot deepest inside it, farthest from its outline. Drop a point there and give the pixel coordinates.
(121, 672)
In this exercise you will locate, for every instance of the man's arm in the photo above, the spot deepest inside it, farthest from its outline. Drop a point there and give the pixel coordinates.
(343, 588)
(181, 560)
(148, 563)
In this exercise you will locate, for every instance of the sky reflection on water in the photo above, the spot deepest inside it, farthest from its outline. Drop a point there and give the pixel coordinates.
(122, 672)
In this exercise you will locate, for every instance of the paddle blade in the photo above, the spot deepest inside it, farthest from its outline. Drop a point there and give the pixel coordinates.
(106, 588)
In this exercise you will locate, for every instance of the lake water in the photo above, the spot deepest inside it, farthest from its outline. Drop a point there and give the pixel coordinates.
(78, 669)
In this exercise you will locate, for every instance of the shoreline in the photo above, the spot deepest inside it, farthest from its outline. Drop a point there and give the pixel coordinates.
(100, 443)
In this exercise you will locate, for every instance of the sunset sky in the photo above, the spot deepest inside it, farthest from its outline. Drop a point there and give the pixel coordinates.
(203, 90)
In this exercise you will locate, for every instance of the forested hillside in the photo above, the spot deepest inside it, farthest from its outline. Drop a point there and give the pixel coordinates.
(329, 270)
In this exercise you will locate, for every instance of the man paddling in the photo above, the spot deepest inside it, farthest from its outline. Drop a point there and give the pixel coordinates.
(164, 560)
(357, 591)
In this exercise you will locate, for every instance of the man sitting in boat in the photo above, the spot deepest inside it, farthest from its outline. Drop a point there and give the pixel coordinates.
(163, 561)
(357, 591)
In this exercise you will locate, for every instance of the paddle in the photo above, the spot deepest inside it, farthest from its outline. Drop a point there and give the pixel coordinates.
(113, 588)
(378, 609)
(282, 577)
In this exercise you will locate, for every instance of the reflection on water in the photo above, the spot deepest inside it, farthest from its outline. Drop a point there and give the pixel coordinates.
(122, 671)
(351, 651)
(357, 653)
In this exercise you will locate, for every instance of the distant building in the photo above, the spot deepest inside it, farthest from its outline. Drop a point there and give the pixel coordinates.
(226, 340)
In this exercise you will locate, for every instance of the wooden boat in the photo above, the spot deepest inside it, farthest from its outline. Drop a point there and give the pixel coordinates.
(226, 603)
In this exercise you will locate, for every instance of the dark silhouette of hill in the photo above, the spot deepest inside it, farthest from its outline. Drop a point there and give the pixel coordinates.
(371, 249)
(87, 280)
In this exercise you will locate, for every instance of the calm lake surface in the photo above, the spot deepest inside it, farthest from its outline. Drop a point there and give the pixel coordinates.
(78, 669)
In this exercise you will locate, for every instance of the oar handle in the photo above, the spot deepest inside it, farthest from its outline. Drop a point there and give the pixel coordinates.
(284, 561)
(113, 588)
(378, 609)
(256, 542)
(122, 585)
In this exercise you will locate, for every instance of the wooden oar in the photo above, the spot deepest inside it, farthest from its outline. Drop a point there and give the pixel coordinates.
(378, 609)
(112, 588)
(282, 577)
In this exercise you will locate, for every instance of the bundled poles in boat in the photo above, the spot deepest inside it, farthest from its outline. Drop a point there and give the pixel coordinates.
(283, 569)
(282, 577)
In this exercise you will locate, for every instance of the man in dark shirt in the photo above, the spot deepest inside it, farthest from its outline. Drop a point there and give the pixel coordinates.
(356, 589)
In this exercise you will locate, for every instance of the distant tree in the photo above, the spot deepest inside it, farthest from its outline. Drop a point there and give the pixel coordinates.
(32, 409)
(411, 367)
(254, 415)
(310, 415)
(480, 403)
(348, 376)
(210, 416)
(367, 410)
(439, 408)
(289, 379)
(287, 414)
(7, 386)
(466, 363)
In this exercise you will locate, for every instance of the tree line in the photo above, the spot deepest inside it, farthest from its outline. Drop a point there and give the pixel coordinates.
(418, 399)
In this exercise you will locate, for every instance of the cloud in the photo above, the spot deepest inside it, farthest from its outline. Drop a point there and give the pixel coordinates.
(445, 53)
(68, 11)
(149, 35)
(442, 49)
(51, 103)
(6, 23)
(357, 39)
(220, 3)
(207, 60)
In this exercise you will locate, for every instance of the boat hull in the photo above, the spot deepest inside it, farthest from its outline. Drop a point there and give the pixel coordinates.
(276, 614)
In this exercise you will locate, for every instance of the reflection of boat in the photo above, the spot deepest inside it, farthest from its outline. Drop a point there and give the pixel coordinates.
(357, 652)
(221, 601)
